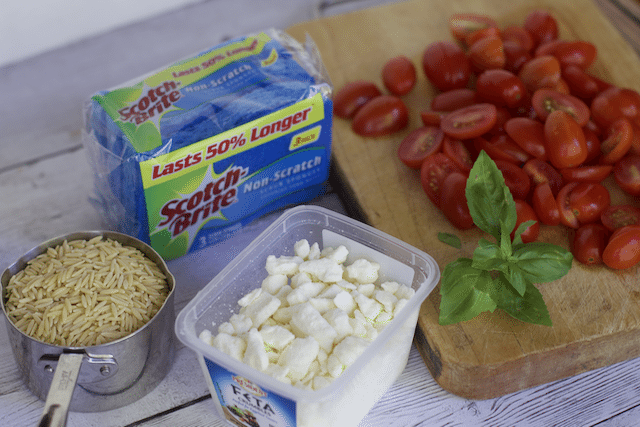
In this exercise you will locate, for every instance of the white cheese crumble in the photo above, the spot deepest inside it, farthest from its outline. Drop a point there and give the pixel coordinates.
(312, 316)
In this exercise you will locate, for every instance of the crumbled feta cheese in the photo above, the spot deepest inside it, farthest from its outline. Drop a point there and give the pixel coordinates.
(312, 316)
(363, 271)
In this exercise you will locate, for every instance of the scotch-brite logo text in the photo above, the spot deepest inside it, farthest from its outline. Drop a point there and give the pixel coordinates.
(152, 103)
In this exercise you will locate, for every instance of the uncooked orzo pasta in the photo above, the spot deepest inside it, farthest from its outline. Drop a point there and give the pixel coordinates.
(85, 292)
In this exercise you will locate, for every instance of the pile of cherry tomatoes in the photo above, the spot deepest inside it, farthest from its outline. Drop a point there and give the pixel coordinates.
(528, 99)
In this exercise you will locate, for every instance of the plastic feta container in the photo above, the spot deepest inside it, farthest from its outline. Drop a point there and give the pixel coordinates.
(245, 396)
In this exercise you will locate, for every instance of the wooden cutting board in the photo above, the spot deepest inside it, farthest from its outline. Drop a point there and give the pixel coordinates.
(595, 311)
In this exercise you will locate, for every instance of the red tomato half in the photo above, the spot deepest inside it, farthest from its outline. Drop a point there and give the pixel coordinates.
(526, 213)
(435, 168)
(540, 72)
(528, 134)
(618, 216)
(544, 204)
(617, 141)
(501, 87)
(542, 26)
(399, 75)
(567, 216)
(454, 99)
(419, 144)
(463, 24)
(626, 173)
(446, 65)
(589, 242)
(613, 103)
(454, 201)
(381, 116)
(588, 200)
(515, 178)
(623, 249)
(566, 146)
(458, 152)
(487, 53)
(540, 171)
(352, 96)
(501, 147)
(546, 101)
(469, 122)
(595, 173)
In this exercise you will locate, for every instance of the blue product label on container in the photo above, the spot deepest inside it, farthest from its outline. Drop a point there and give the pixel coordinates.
(246, 404)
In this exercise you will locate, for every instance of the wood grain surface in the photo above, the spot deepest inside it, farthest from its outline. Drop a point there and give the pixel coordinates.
(595, 311)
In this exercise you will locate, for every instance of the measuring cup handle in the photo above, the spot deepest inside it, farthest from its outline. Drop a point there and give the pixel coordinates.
(56, 407)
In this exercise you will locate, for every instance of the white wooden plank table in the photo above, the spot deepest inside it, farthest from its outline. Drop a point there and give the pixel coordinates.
(45, 184)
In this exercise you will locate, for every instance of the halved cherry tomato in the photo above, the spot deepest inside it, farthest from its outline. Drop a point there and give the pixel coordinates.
(515, 178)
(566, 146)
(399, 75)
(526, 213)
(462, 24)
(476, 35)
(352, 96)
(617, 141)
(487, 53)
(454, 99)
(576, 52)
(433, 171)
(540, 72)
(544, 204)
(593, 144)
(502, 116)
(458, 152)
(540, 171)
(580, 83)
(419, 144)
(501, 147)
(518, 35)
(588, 200)
(542, 26)
(635, 140)
(589, 242)
(501, 88)
(528, 134)
(454, 201)
(626, 173)
(613, 103)
(567, 216)
(446, 65)
(623, 249)
(618, 216)
(593, 173)
(381, 116)
(545, 101)
(469, 122)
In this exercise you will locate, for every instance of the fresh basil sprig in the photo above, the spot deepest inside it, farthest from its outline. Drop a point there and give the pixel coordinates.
(500, 274)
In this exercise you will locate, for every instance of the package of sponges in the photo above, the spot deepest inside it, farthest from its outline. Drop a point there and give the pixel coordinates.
(185, 156)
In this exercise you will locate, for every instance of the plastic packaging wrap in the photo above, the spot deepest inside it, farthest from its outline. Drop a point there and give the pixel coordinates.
(186, 155)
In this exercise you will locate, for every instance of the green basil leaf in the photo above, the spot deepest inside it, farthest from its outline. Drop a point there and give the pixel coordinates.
(516, 278)
(542, 262)
(529, 307)
(489, 200)
(466, 292)
(488, 256)
(450, 239)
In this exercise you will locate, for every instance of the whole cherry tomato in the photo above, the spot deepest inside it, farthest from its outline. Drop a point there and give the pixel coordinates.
(469, 122)
(487, 53)
(528, 134)
(526, 213)
(542, 26)
(540, 72)
(544, 204)
(623, 249)
(454, 99)
(446, 65)
(352, 96)
(454, 201)
(399, 75)
(419, 144)
(589, 242)
(501, 88)
(613, 103)
(566, 146)
(626, 173)
(435, 168)
(588, 200)
(381, 116)
(618, 216)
